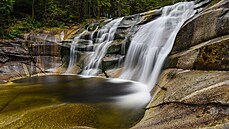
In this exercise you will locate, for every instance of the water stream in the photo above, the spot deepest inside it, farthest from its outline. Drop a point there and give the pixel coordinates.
(148, 49)
(104, 38)
(153, 42)
(73, 52)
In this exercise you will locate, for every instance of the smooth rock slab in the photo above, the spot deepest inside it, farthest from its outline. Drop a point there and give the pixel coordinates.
(187, 86)
(188, 99)
(210, 55)
(211, 23)
(183, 116)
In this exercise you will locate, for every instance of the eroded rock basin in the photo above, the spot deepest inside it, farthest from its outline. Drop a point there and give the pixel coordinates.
(70, 101)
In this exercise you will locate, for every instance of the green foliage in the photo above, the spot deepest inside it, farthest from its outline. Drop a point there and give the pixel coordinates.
(6, 7)
(23, 26)
(20, 16)
(143, 5)
(55, 16)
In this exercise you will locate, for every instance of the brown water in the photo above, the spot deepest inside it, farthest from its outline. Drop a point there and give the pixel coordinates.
(26, 96)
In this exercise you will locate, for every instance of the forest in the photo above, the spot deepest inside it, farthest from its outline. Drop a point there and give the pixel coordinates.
(20, 16)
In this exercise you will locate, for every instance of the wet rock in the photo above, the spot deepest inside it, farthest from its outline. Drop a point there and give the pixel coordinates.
(45, 49)
(19, 59)
(86, 36)
(15, 69)
(112, 61)
(121, 34)
(47, 62)
(114, 73)
(149, 16)
(69, 41)
(85, 42)
(75, 69)
(115, 47)
(128, 21)
(92, 27)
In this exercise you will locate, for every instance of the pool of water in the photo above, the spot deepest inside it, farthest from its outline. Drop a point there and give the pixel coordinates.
(118, 103)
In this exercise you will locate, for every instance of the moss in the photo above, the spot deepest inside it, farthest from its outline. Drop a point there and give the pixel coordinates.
(159, 97)
(213, 2)
(211, 56)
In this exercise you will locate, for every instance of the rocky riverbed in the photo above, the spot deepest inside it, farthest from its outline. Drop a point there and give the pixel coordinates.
(193, 89)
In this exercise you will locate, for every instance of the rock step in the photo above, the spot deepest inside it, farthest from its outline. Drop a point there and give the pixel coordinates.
(111, 61)
(210, 55)
(87, 46)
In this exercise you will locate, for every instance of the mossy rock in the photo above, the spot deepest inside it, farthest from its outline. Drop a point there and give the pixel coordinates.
(210, 55)
(213, 57)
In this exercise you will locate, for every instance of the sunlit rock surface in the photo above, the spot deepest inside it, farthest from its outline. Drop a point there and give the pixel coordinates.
(189, 99)
(193, 90)
(211, 23)
(210, 55)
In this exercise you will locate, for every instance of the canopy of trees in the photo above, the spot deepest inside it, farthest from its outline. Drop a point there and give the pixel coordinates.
(36, 13)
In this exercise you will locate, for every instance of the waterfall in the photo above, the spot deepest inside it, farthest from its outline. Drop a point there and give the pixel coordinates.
(153, 42)
(104, 38)
(73, 52)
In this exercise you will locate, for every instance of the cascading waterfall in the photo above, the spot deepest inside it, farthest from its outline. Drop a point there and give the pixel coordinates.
(104, 38)
(73, 54)
(148, 50)
(153, 42)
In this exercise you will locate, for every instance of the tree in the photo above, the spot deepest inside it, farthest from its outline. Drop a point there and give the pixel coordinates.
(33, 8)
(6, 8)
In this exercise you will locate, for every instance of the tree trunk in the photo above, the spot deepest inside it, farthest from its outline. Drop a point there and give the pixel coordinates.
(119, 9)
(33, 9)
(112, 8)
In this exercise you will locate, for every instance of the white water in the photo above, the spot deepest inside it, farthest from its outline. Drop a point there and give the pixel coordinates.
(153, 42)
(104, 38)
(148, 49)
(73, 52)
